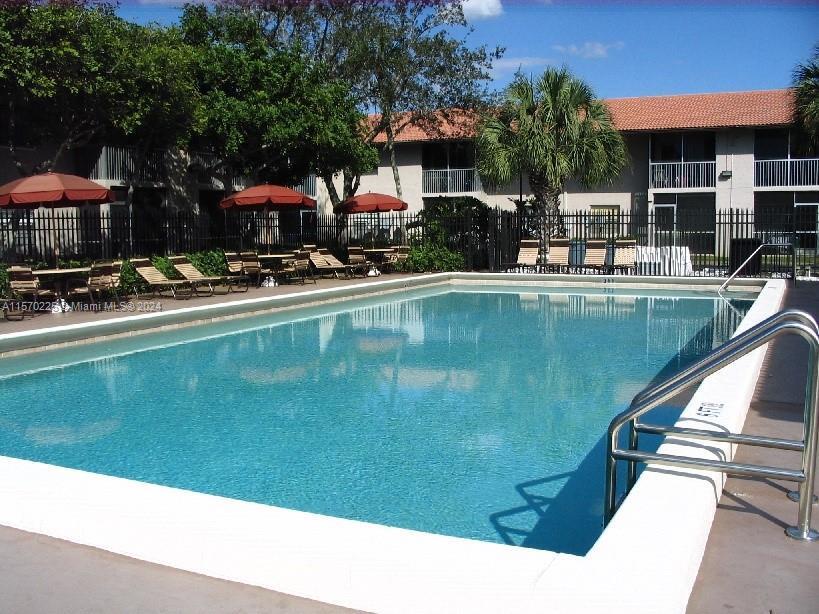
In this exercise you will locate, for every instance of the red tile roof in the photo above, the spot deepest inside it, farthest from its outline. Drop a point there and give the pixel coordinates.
(686, 111)
(679, 112)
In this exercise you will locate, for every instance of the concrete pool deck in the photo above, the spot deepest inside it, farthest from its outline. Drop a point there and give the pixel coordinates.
(48, 321)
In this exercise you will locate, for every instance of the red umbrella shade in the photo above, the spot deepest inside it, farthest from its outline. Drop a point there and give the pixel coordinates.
(371, 202)
(52, 190)
(266, 195)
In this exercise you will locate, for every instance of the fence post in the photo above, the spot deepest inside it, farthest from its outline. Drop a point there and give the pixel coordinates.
(493, 228)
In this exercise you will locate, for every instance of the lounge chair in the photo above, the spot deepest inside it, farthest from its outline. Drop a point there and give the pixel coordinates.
(236, 270)
(309, 248)
(356, 257)
(625, 256)
(595, 257)
(558, 254)
(24, 284)
(100, 281)
(298, 267)
(158, 283)
(252, 267)
(349, 268)
(198, 280)
(528, 255)
(323, 267)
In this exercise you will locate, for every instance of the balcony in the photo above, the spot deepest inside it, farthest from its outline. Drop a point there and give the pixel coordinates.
(786, 173)
(450, 180)
(682, 175)
(118, 164)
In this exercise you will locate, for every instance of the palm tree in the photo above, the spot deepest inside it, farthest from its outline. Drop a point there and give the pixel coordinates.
(554, 130)
(806, 104)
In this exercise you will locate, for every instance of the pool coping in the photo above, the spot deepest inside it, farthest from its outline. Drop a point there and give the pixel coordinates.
(377, 568)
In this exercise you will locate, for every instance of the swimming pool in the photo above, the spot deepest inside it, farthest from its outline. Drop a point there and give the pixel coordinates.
(474, 412)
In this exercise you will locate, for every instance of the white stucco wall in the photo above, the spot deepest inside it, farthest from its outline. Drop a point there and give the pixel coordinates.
(735, 153)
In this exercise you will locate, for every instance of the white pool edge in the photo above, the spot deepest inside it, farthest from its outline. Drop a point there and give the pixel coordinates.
(646, 561)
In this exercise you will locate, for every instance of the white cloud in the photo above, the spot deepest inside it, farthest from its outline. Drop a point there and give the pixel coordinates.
(482, 9)
(590, 50)
(512, 64)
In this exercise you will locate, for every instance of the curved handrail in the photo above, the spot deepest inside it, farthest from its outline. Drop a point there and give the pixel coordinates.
(793, 322)
(742, 266)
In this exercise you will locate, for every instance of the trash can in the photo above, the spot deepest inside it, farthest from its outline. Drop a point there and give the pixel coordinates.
(577, 252)
(741, 249)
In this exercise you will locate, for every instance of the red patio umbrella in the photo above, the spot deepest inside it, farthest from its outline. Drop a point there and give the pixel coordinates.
(52, 190)
(268, 196)
(372, 202)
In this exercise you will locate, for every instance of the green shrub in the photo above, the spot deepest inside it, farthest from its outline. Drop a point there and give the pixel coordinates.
(429, 257)
(129, 281)
(4, 280)
(211, 263)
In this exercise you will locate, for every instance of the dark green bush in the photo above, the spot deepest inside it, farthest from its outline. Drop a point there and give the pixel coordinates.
(4, 280)
(429, 257)
(129, 281)
(211, 263)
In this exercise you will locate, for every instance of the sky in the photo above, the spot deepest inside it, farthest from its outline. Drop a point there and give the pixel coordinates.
(629, 48)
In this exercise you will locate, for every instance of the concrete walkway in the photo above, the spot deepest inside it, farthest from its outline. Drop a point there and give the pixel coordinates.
(750, 566)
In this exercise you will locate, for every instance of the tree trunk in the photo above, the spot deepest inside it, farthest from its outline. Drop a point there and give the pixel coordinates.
(547, 199)
(391, 149)
(18, 164)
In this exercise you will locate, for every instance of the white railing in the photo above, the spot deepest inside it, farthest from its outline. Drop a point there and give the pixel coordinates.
(682, 174)
(446, 181)
(307, 186)
(797, 172)
(119, 164)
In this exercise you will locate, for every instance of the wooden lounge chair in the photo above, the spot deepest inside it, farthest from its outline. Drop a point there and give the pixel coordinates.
(528, 255)
(252, 267)
(25, 285)
(309, 248)
(100, 281)
(558, 254)
(158, 283)
(349, 268)
(323, 267)
(299, 268)
(357, 257)
(198, 280)
(236, 270)
(595, 257)
(625, 256)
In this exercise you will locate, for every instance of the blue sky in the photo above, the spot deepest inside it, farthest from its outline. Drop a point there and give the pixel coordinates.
(630, 49)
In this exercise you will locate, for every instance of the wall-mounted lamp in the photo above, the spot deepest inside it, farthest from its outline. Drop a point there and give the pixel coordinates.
(726, 174)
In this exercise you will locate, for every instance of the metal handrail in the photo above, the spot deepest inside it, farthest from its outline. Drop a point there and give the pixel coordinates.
(789, 322)
(742, 266)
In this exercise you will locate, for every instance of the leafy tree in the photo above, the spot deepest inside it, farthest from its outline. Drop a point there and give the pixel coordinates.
(402, 60)
(806, 86)
(61, 74)
(267, 111)
(554, 130)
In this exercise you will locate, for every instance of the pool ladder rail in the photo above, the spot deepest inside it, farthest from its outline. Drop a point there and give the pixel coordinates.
(785, 322)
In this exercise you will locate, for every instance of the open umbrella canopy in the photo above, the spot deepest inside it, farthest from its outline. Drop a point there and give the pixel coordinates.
(372, 202)
(52, 190)
(268, 195)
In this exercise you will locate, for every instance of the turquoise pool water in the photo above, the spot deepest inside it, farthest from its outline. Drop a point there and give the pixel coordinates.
(465, 412)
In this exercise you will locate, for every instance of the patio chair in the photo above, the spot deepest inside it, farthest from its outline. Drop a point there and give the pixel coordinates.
(357, 257)
(528, 255)
(100, 281)
(24, 284)
(309, 248)
(252, 267)
(625, 256)
(158, 283)
(236, 270)
(595, 258)
(323, 267)
(349, 269)
(558, 254)
(185, 268)
(299, 267)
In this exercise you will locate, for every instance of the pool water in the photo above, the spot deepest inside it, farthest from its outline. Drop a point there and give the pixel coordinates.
(471, 413)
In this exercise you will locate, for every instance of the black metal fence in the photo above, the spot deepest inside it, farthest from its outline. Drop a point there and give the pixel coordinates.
(713, 242)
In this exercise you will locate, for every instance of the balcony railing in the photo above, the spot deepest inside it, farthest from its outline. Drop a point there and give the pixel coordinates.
(682, 174)
(119, 164)
(783, 173)
(446, 181)
(307, 186)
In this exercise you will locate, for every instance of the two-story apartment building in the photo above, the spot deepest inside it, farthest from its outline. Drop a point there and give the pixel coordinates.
(688, 153)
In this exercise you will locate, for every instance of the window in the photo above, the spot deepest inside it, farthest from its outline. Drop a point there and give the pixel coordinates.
(698, 147)
(771, 144)
(666, 147)
(683, 147)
